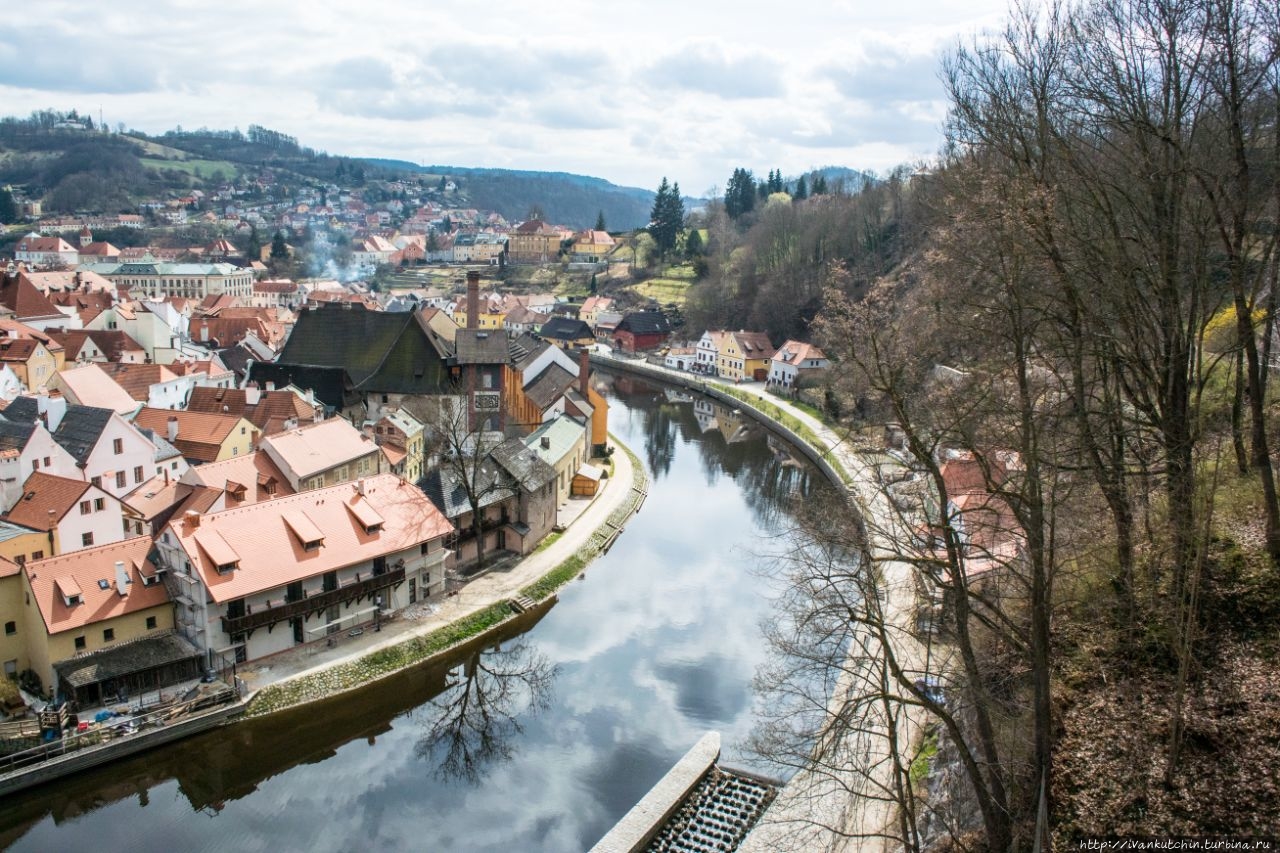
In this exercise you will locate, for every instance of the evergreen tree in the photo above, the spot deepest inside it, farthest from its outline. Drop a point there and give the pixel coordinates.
(693, 244)
(775, 184)
(278, 248)
(8, 207)
(254, 250)
(762, 190)
(667, 217)
(740, 194)
(802, 190)
(594, 285)
(600, 222)
(820, 185)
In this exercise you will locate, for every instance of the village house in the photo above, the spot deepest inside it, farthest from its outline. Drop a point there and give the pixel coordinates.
(91, 385)
(84, 613)
(30, 359)
(567, 333)
(199, 436)
(27, 447)
(591, 308)
(327, 453)
(562, 444)
(270, 412)
(591, 246)
(41, 251)
(402, 438)
(71, 513)
(266, 578)
(108, 450)
(511, 488)
(794, 361)
(156, 279)
(153, 385)
(641, 331)
(534, 242)
(744, 356)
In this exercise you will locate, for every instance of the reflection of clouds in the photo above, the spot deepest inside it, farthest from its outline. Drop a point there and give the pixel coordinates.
(656, 646)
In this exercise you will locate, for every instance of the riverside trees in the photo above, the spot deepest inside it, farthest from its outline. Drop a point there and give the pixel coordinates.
(1110, 188)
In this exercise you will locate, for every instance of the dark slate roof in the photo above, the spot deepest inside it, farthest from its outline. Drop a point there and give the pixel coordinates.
(644, 323)
(331, 385)
(382, 352)
(80, 430)
(481, 346)
(529, 470)
(549, 386)
(565, 329)
(236, 359)
(525, 349)
(24, 410)
(15, 435)
(148, 652)
(444, 487)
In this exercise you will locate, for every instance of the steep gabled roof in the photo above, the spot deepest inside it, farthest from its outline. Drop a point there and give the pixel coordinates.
(645, 323)
(84, 569)
(80, 430)
(382, 352)
(45, 500)
(330, 385)
(565, 329)
(268, 414)
(481, 346)
(549, 386)
(523, 464)
(200, 435)
(24, 299)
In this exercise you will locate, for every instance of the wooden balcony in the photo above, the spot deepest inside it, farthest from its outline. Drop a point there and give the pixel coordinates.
(314, 603)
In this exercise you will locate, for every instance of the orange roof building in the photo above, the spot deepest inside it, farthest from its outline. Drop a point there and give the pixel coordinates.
(200, 437)
(91, 600)
(292, 570)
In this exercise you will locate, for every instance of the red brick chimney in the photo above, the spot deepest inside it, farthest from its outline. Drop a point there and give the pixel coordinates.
(473, 300)
(584, 371)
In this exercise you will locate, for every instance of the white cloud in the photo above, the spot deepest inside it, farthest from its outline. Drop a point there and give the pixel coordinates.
(687, 91)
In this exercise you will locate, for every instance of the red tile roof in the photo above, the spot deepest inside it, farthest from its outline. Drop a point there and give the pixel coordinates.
(83, 570)
(268, 554)
(45, 500)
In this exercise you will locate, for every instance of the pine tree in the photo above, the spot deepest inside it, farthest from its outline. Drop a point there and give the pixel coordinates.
(600, 222)
(820, 185)
(802, 189)
(740, 193)
(254, 249)
(278, 247)
(667, 217)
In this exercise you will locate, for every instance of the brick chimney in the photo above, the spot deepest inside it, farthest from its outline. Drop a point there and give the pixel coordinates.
(584, 372)
(473, 300)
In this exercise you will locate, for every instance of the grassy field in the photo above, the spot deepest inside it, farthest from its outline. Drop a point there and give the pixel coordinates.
(198, 168)
(664, 290)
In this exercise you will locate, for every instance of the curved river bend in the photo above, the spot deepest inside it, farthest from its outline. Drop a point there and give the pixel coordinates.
(540, 743)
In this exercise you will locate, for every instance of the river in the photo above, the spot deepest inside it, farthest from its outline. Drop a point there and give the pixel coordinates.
(540, 742)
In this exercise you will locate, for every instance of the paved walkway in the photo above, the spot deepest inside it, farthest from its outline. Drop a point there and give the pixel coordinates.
(840, 807)
(499, 584)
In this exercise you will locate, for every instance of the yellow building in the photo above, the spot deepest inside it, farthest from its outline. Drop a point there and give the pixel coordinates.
(201, 437)
(90, 600)
(33, 362)
(13, 651)
(744, 356)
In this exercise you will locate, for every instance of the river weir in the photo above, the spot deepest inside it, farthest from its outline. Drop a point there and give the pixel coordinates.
(539, 739)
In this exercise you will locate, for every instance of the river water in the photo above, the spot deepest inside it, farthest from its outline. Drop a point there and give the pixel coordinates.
(541, 742)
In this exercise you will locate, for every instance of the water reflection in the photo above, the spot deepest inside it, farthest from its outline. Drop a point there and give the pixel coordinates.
(542, 743)
(478, 717)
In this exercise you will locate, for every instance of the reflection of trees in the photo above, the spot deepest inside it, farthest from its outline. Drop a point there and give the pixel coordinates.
(660, 438)
(478, 716)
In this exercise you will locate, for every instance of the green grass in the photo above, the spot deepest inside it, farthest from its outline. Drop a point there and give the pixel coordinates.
(664, 290)
(546, 543)
(923, 761)
(198, 168)
(332, 680)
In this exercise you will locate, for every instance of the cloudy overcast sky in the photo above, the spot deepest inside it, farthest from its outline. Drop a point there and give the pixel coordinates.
(629, 92)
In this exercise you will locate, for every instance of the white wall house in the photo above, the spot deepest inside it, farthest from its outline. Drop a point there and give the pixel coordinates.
(258, 580)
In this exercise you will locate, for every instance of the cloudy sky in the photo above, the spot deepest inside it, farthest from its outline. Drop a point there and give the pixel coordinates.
(629, 92)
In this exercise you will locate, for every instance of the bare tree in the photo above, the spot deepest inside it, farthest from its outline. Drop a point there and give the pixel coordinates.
(479, 714)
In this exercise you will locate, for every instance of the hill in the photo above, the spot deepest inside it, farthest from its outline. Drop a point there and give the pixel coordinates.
(563, 197)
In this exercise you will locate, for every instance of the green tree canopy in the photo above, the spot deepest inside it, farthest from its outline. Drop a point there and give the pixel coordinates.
(740, 194)
(667, 218)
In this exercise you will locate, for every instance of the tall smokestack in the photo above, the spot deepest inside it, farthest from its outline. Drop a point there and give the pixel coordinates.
(473, 300)
(584, 371)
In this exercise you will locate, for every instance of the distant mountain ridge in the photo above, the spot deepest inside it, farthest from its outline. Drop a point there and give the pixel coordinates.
(564, 198)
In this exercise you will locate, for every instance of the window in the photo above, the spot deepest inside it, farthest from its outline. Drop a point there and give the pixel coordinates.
(151, 623)
(85, 507)
(35, 464)
(117, 446)
(97, 482)
(37, 555)
(10, 628)
(242, 429)
(99, 504)
(86, 539)
(79, 643)
(121, 480)
(137, 474)
(108, 634)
